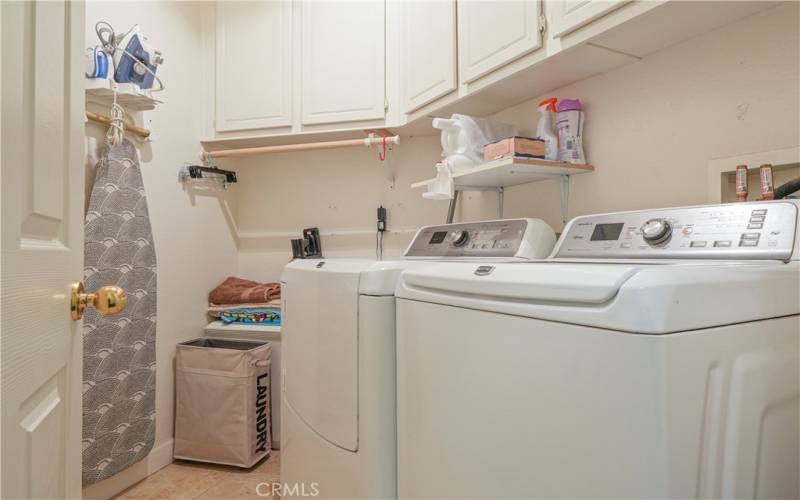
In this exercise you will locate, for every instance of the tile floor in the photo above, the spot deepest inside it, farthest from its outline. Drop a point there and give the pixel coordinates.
(184, 480)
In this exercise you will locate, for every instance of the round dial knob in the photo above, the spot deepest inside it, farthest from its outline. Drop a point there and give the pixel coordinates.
(458, 238)
(656, 231)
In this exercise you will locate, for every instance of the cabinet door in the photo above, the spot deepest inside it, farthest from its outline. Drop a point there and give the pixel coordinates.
(343, 61)
(428, 52)
(569, 15)
(493, 33)
(253, 65)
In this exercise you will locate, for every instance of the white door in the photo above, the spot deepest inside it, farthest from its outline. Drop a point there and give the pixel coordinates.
(428, 52)
(569, 15)
(253, 65)
(494, 33)
(42, 247)
(342, 47)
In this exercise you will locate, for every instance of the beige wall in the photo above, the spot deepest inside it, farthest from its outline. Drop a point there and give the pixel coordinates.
(339, 191)
(652, 127)
(195, 247)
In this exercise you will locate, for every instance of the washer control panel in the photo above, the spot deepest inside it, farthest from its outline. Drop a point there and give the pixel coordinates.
(759, 230)
(508, 238)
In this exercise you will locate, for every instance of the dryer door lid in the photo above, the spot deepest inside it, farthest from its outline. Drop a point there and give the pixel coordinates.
(320, 347)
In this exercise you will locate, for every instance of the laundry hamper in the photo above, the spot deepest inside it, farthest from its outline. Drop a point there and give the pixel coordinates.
(222, 407)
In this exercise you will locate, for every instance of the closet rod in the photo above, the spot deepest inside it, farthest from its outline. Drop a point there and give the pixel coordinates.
(312, 146)
(105, 120)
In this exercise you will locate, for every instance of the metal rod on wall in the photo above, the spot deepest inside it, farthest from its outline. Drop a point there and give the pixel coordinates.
(313, 146)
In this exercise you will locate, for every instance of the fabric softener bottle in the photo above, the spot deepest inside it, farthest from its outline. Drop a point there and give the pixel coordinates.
(569, 123)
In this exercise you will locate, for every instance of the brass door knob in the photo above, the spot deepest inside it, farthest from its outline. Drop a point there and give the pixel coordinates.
(108, 300)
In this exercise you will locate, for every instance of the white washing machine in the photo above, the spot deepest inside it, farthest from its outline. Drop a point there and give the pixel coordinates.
(338, 413)
(655, 355)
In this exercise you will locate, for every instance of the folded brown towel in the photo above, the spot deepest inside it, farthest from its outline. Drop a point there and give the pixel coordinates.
(239, 291)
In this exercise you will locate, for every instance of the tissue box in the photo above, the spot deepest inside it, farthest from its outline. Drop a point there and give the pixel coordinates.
(514, 146)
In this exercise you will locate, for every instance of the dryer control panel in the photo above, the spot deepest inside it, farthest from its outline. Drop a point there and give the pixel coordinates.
(493, 239)
(758, 230)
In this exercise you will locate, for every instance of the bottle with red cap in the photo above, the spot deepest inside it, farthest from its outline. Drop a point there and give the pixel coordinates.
(741, 182)
(545, 130)
(767, 187)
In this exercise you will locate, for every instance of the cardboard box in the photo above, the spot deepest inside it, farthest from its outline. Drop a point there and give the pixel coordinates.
(514, 146)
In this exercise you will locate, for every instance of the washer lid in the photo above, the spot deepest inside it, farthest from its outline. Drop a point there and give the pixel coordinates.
(575, 283)
(640, 298)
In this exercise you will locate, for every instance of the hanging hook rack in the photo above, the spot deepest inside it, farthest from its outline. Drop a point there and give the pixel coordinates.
(195, 172)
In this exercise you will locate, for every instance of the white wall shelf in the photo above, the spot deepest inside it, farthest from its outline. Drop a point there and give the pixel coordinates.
(220, 329)
(129, 95)
(507, 172)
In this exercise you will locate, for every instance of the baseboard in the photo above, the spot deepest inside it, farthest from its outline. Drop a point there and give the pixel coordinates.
(160, 456)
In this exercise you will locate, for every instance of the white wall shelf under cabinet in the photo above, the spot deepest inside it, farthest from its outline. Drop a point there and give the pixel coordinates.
(507, 172)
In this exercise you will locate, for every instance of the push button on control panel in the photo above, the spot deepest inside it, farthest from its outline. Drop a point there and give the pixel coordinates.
(757, 218)
(696, 244)
(722, 243)
(748, 243)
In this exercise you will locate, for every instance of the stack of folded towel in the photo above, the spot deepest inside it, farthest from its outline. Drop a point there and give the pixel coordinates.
(243, 301)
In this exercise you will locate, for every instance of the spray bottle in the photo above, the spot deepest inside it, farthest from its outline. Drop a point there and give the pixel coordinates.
(442, 186)
(545, 130)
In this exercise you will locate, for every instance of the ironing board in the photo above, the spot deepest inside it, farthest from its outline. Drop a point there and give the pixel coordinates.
(119, 356)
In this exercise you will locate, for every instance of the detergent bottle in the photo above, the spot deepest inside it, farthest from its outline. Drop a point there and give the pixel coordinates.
(455, 143)
(569, 123)
(545, 130)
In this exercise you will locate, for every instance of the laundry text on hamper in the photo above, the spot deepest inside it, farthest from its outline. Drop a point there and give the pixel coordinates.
(262, 407)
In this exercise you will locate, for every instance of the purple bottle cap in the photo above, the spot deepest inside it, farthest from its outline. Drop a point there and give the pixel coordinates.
(569, 105)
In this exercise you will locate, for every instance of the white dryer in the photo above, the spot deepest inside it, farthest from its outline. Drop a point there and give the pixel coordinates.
(338, 412)
(655, 355)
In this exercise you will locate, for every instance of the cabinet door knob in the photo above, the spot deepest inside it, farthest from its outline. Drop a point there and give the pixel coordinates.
(108, 300)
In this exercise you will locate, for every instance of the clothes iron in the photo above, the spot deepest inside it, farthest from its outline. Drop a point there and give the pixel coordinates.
(135, 60)
(97, 63)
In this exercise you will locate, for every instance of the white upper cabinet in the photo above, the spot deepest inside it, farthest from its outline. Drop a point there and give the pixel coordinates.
(569, 15)
(253, 63)
(343, 61)
(493, 33)
(428, 45)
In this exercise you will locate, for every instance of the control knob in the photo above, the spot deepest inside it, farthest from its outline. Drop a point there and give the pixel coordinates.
(458, 238)
(656, 231)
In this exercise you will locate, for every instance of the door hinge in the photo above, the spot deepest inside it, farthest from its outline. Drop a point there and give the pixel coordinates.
(542, 23)
(385, 103)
